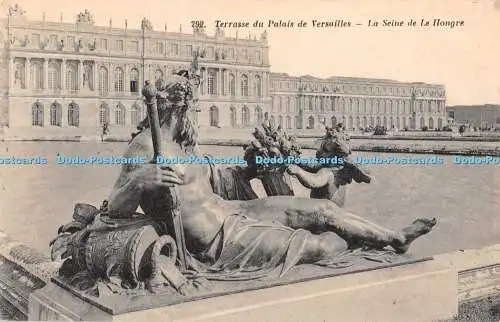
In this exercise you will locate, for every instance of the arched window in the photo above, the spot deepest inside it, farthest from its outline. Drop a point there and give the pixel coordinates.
(134, 80)
(233, 116)
(258, 115)
(36, 75)
(258, 86)
(288, 122)
(431, 123)
(310, 122)
(440, 123)
(280, 121)
(73, 115)
(244, 85)
(214, 116)
(104, 114)
(245, 116)
(422, 122)
(212, 83)
(232, 85)
(37, 114)
(135, 115)
(103, 80)
(55, 114)
(71, 78)
(119, 80)
(119, 114)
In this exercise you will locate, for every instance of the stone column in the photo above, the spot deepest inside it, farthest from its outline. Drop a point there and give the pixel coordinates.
(225, 82)
(126, 80)
(63, 74)
(220, 79)
(95, 75)
(12, 73)
(80, 75)
(64, 115)
(111, 75)
(45, 73)
(27, 73)
(237, 84)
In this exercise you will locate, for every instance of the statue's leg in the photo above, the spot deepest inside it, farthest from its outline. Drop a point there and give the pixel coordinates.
(319, 216)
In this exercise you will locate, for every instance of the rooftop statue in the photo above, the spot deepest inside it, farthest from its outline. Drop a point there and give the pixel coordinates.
(188, 236)
(16, 11)
(85, 17)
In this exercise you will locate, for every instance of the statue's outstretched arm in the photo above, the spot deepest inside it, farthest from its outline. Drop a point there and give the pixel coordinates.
(311, 180)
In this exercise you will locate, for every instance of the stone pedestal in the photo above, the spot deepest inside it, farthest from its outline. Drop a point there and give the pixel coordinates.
(425, 291)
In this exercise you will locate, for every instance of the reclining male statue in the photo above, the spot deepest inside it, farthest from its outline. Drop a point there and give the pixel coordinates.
(232, 237)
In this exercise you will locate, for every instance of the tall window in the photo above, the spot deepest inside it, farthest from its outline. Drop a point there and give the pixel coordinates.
(245, 116)
(103, 114)
(189, 50)
(36, 76)
(134, 81)
(73, 115)
(232, 85)
(136, 115)
(119, 80)
(159, 48)
(258, 115)
(119, 45)
(71, 77)
(244, 85)
(233, 116)
(174, 49)
(55, 114)
(214, 116)
(103, 44)
(258, 86)
(37, 114)
(103, 80)
(119, 115)
(211, 83)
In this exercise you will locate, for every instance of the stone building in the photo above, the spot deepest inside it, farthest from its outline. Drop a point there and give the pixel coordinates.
(479, 116)
(358, 103)
(73, 78)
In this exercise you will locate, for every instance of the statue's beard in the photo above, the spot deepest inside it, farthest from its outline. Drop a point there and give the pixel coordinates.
(186, 131)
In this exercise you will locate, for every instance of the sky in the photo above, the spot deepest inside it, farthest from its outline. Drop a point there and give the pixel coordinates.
(466, 59)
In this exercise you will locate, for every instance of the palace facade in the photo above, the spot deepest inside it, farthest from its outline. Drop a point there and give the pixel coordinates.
(358, 103)
(63, 78)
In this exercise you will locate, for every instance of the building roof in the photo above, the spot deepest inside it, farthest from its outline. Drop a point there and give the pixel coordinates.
(351, 79)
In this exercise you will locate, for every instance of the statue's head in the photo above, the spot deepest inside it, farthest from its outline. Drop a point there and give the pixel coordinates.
(175, 107)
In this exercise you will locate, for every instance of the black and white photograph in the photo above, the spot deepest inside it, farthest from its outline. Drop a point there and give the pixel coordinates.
(172, 160)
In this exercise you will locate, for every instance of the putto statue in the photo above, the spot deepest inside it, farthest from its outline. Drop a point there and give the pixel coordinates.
(15, 11)
(85, 17)
(190, 237)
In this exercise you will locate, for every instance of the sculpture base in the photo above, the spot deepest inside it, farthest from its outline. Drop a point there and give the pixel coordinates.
(423, 291)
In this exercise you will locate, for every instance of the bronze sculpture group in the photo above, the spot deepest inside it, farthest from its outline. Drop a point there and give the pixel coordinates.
(204, 222)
